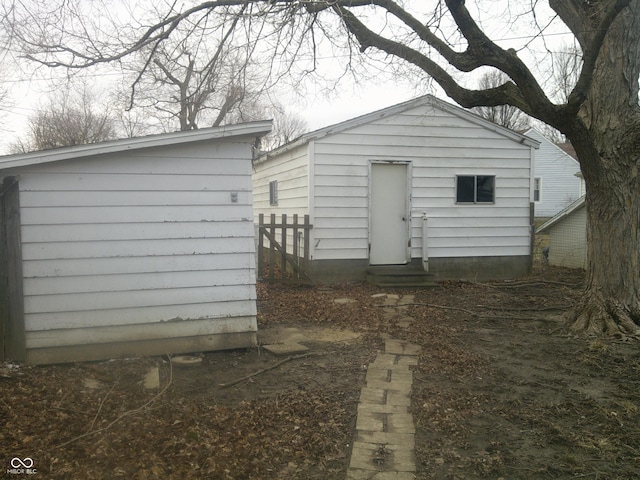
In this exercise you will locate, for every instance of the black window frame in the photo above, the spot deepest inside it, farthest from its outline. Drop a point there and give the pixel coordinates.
(464, 195)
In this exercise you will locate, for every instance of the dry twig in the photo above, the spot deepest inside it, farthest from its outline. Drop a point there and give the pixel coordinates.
(247, 377)
(100, 408)
(433, 306)
(474, 314)
(125, 414)
(527, 284)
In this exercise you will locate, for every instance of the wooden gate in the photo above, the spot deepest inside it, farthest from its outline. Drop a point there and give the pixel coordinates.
(284, 245)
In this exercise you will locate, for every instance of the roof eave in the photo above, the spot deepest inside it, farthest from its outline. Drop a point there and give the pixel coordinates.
(562, 214)
(392, 110)
(552, 144)
(251, 129)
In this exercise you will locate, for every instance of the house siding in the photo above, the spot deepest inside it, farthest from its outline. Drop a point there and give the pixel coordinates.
(139, 251)
(568, 240)
(559, 184)
(439, 146)
(291, 171)
(437, 142)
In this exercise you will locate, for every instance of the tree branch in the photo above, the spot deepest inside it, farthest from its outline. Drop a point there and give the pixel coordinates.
(589, 21)
(486, 52)
(154, 35)
(590, 25)
(506, 93)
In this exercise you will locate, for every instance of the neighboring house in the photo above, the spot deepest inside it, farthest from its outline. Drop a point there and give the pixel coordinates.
(568, 236)
(422, 182)
(556, 180)
(131, 247)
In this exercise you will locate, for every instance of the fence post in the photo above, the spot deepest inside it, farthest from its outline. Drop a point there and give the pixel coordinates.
(272, 247)
(296, 253)
(260, 246)
(298, 260)
(283, 242)
(307, 234)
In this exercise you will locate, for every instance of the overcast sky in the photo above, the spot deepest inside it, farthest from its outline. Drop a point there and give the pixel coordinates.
(318, 109)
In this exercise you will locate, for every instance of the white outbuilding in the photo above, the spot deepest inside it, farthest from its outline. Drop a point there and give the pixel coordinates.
(567, 231)
(131, 247)
(557, 182)
(423, 183)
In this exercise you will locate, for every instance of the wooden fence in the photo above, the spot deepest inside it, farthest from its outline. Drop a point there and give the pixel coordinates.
(274, 238)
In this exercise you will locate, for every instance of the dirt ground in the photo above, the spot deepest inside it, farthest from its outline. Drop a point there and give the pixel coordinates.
(500, 392)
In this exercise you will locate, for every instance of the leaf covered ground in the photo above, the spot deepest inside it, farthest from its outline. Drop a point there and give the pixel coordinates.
(500, 392)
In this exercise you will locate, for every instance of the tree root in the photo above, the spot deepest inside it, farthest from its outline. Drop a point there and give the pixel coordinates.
(597, 316)
(251, 375)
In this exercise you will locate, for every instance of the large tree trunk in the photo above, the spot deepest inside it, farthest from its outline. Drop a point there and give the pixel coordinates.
(611, 302)
(607, 139)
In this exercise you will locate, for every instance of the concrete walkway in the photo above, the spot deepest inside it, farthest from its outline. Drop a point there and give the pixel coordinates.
(385, 443)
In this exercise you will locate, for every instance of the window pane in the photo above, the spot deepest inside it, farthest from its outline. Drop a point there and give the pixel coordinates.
(486, 189)
(536, 190)
(465, 189)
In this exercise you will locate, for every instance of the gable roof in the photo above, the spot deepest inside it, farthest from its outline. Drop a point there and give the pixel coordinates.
(429, 100)
(577, 205)
(253, 129)
(567, 147)
(563, 149)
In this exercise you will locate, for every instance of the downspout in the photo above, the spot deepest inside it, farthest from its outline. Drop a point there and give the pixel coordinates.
(425, 243)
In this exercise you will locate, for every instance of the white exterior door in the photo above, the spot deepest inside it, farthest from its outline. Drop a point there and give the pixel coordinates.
(388, 214)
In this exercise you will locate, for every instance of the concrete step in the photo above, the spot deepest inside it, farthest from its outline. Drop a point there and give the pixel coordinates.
(400, 276)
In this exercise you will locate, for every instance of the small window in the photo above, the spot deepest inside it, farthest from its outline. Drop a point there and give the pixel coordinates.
(475, 188)
(273, 192)
(536, 189)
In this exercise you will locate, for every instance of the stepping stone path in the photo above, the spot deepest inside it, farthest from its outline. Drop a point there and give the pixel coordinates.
(385, 433)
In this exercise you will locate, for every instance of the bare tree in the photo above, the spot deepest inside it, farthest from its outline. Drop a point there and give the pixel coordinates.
(132, 122)
(198, 80)
(549, 132)
(564, 73)
(199, 97)
(448, 40)
(68, 119)
(5, 101)
(505, 115)
(7, 63)
(567, 64)
(287, 126)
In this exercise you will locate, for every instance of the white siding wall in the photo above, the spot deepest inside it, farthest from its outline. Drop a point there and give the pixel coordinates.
(291, 171)
(117, 245)
(557, 170)
(439, 146)
(568, 240)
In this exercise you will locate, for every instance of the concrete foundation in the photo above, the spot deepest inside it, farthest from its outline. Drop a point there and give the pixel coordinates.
(471, 268)
(92, 352)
